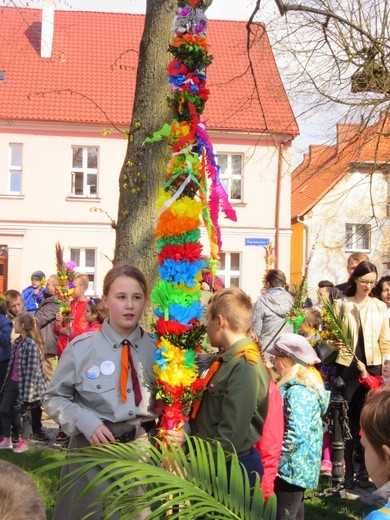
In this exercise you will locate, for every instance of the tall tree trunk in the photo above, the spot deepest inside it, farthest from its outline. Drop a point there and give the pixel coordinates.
(144, 168)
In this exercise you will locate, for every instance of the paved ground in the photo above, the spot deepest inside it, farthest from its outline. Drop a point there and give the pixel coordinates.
(365, 495)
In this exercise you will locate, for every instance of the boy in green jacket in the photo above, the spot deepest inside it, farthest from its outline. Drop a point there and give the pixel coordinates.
(235, 401)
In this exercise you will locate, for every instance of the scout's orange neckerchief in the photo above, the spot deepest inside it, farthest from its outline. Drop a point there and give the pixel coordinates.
(250, 352)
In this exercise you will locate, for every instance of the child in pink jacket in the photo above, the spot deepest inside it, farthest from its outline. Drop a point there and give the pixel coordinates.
(270, 444)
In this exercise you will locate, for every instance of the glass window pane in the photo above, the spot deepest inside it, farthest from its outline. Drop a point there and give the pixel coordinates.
(363, 237)
(348, 232)
(92, 157)
(225, 184)
(91, 179)
(78, 183)
(222, 262)
(236, 164)
(223, 163)
(89, 258)
(235, 261)
(75, 256)
(77, 157)
(15, 181)
(234, 282)
(16, 155)
(236, 189)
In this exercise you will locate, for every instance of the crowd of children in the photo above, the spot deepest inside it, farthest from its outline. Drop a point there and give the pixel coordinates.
(33, 335)
(280, 404)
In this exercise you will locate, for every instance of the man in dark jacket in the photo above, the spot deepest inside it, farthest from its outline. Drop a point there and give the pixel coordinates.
(353, 261)
(45, 316)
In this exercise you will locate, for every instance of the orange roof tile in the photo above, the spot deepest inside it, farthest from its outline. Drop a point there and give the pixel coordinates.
(325, 166)
(92, 72)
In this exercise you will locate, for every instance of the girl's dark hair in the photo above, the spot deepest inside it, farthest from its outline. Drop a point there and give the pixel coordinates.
(360, 270)
(375, 418)
(97, 309)
(377, 290)
(124, 269)
(275, 278)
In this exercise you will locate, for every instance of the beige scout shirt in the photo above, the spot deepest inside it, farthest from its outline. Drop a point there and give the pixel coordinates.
(85, 388)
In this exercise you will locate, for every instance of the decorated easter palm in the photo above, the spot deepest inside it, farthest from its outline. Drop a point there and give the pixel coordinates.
(172, 482)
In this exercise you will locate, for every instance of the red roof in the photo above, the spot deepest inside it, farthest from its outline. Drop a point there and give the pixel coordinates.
(325, 166)
(93, 55)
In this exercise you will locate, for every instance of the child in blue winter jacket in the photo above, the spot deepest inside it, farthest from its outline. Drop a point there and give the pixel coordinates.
(5, 347)
(305, 402)
(34, 293)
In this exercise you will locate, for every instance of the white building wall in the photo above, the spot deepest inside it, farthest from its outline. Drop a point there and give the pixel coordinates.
(31, 224)
(358, 198)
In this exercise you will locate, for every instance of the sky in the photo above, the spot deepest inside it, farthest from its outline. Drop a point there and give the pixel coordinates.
(220, 9)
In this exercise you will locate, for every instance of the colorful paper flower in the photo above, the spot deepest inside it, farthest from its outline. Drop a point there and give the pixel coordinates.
(182, 206)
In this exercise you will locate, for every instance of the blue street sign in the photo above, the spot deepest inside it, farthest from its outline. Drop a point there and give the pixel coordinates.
(257, 241)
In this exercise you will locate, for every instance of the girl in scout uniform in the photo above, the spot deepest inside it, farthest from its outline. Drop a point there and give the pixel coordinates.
(102, 390)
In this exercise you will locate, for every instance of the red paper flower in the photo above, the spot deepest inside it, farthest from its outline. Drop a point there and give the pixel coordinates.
(190, 251)
(176, 67)
(170, 327)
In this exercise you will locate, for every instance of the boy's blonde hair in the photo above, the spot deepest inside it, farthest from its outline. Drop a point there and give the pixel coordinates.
(234, 305)
(11, 295)
(375, 419)
(82, 278)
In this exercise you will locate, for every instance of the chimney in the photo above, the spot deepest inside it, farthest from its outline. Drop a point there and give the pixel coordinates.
(47, 29)
(315, 150)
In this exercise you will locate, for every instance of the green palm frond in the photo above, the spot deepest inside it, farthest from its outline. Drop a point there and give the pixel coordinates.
(336, 320)
(139, 475)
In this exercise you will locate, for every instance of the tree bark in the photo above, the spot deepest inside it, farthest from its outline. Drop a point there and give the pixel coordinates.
(144, 168)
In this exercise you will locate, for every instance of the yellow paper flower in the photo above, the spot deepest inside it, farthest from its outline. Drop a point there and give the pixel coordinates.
(186, 207)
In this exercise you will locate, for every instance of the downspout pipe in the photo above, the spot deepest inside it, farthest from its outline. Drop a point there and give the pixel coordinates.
(306, 228)
(277, 203)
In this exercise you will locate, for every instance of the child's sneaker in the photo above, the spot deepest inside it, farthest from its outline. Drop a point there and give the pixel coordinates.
(6, 443)
(21, 446)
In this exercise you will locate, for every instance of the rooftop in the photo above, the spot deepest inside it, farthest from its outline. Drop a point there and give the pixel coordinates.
(90, 76)
(324, 166)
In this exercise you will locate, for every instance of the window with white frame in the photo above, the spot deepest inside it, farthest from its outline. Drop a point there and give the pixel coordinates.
(357, 237)
(86, 264)
(15, 168)
(85, 171)
(231, 168)
(229, 269)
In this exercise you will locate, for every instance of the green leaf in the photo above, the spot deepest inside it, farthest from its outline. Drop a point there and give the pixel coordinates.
(188, 483)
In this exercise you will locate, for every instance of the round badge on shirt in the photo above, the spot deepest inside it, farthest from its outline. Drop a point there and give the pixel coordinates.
(107, 368)
(92, 372)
